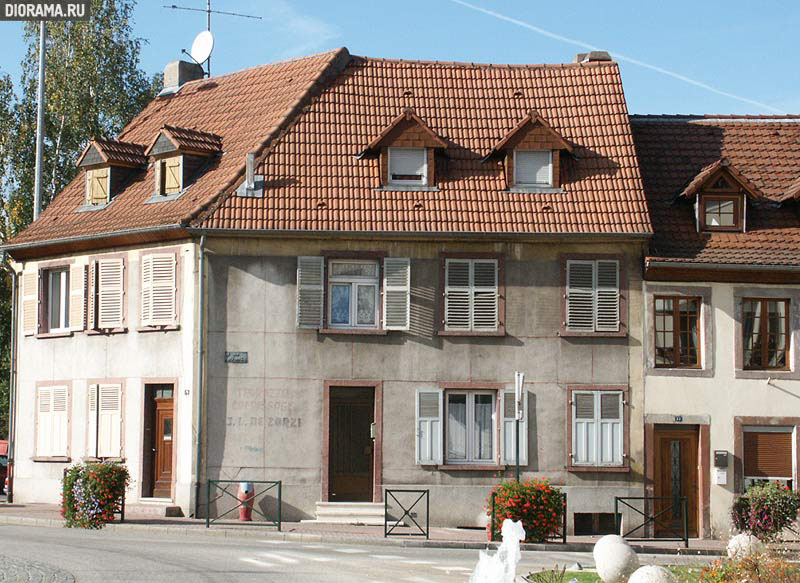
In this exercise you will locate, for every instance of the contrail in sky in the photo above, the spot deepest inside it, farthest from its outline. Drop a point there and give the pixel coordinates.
(617, 56)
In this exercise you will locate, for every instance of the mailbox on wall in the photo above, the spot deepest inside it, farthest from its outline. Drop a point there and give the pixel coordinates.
(720, 467)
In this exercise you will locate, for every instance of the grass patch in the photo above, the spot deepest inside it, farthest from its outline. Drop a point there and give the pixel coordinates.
(684, 574)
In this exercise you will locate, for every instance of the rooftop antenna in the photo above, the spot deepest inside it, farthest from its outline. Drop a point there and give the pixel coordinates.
(204, 43)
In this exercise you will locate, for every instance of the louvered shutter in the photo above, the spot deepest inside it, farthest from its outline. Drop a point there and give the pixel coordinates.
(429, 405)
(607, 300)
(163, 289)
(580, 296)
(584, 428)
(91, 437)
(147, 290)
(77, 297)
(109, 434)
(310, 282)
(508, 450)
(30, 302)
(610, 428)
(396, 293)
(484, 295)
(44, 422)
(457, 294)
(91, 297)
(768, 454)
(60, 421)
(110, 293)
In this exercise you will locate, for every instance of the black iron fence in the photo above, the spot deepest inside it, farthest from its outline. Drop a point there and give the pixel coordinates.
(408, 508)
(257, 502)
(663, 517)
(559, 536)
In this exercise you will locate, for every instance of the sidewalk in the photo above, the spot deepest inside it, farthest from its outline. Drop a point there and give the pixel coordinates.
(47, 515)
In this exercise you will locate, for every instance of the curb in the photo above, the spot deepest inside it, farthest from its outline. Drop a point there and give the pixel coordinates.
(239, 533)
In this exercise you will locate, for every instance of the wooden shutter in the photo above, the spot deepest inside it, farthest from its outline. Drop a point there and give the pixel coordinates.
(508, 448)
(109, 431)
(457, 294)
(99, 186)
(91, 297)
(30, 302)
(110, 293)
(173, 180)
(768, 454)
(44, 422)
(147, 290)
(91, 437)
(429, 427)
(584, 428)
(310, 282)
(396, 293)
(77, 297)
(60, 425)
(484, 295)
(607, 299)
(580, 296)
(162, 289)
(610, 428)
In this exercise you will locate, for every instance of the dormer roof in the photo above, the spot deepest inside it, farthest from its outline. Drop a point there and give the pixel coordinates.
(113, 153)
(711, 173)
(401, 123)
(531, 120)
(184, 140)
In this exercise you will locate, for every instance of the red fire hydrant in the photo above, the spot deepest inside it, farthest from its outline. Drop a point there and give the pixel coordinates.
(245, 496)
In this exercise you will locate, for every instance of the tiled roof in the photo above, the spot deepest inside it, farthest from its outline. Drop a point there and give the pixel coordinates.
(674, 150)
(407, 115)
(192, 140)
(532, 118)
(114, 151)
(315, 182)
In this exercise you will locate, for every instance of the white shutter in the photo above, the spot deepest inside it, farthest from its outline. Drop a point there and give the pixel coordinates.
(110, 293)
(109, 434)
(147, 290)
(91, 297)
(457, 294)
(507, 406)
(580, 296)
(44, 422)
(30, 302)
(310, 284)
(163, 294)
(484, 295)
(60, 421)
(429, 429)
(77, 299)
(607, 303)
(584, 428)
(91, 438)
(610, 428)
(533, 167)
(396, 293)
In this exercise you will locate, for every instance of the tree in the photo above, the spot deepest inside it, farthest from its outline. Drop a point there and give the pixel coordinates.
(94, 87)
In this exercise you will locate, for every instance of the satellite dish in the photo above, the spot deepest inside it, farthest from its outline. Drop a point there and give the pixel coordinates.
(202, 46)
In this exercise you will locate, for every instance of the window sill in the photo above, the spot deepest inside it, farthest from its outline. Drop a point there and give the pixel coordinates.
(52, 459)
(471, 468)
(107, 331)
(99, 460)
(456, 333)
(66, 334)
(165, 328)
(156, 198)
(599, 469)
(573, 334)
(89, 208)
(354, 331)
(406, 188)
(765, 374)
(536, 189)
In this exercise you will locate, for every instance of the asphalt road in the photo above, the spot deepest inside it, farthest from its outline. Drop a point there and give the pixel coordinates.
(34, 554)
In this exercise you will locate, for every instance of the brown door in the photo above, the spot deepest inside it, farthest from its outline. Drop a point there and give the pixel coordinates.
(351, 447)
(676, 476)
(162, 467)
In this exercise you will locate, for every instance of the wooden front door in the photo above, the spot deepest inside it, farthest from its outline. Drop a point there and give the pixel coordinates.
(676, 476)
(162, 467)
(350, 443)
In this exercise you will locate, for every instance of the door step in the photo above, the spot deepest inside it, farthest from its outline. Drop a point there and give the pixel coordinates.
(153, 508)
(366, 513)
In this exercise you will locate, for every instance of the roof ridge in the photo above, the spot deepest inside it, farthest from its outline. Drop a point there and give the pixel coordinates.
(724, 117)
(485, 65)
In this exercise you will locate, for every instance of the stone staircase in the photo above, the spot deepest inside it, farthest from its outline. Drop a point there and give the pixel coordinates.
(153, 508)
(367, 513)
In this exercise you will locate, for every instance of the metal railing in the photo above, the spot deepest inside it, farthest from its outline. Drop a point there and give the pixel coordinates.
(560, 536)
(657, 515)
(408, 512)
(220, 488)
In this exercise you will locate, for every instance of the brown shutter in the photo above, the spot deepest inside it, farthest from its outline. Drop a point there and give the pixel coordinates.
(767, 454)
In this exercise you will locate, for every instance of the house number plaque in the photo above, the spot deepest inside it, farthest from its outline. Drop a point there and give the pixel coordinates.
(236, 358)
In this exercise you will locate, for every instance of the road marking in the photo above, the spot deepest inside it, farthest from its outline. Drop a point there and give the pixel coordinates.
(386, 557)
(257, 562)
(279, 558)
(274, 542)
(349, 551)
(307, 557)
(410, 562)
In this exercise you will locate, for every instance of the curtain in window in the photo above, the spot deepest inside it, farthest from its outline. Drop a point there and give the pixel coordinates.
(483, 427)
(457, 427)
(751, 327)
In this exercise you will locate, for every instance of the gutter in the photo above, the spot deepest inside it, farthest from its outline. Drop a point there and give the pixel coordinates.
(93, 237)
(722, 266)
(200, 358)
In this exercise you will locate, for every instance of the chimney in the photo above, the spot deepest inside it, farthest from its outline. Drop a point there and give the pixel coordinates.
(593, 57)
(177, 73)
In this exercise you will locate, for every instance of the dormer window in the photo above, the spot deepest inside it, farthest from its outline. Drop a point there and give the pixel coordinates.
(408, 166)
(179, 156)
(721, 213)
(533, 168)
(169, 176)
(98, 186)
(109, 164)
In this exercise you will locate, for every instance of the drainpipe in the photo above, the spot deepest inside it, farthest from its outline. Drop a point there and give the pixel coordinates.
(200, 355)
(12, 381)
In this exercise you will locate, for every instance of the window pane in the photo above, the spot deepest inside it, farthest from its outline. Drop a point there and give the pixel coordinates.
(340, 304)
(366, 305)
(55, 300)
(456, 427)
(354, 269)
(688, 321)
(532, 167)
(665, 355)
(483, 427)
(776, 355)
(751, 342)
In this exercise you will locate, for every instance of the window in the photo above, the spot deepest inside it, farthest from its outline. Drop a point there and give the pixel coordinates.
(408, 166)
(767, 453)
(169, 175)
(765, 330)
(597, 428)
(105, 422)
(533, 167)
(721, 213)
(592, 296)
(106, 310)
(353, 294)
(159, 290)
(57, 299)
(471, 295)
(470, 427)
(98, 186)
(677, 329)
(52, 421)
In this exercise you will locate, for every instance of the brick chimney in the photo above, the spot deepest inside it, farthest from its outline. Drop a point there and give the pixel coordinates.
(177, 73)
(593, 57)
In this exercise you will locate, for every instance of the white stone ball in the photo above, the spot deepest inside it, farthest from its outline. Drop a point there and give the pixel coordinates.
(614, 561)
(652, 574)
(744, 545)
(609, 539)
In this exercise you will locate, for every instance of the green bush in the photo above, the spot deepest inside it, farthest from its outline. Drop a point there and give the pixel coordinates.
(92, 493)
(765, 510)
(753, 569)
(536, 503)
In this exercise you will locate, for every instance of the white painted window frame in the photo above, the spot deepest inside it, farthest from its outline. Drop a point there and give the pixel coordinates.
(354, 282)
(598, 421)
(63, 316)
(471, 459)
(752, 480)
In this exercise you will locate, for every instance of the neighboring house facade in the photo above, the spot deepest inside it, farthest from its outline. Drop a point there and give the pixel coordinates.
(721, 293)
(327, 271)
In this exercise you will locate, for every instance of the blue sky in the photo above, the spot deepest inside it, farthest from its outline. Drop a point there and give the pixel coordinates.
(736, 47)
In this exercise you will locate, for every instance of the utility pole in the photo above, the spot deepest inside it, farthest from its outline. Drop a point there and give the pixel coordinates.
(519, 387)
(37, 184)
